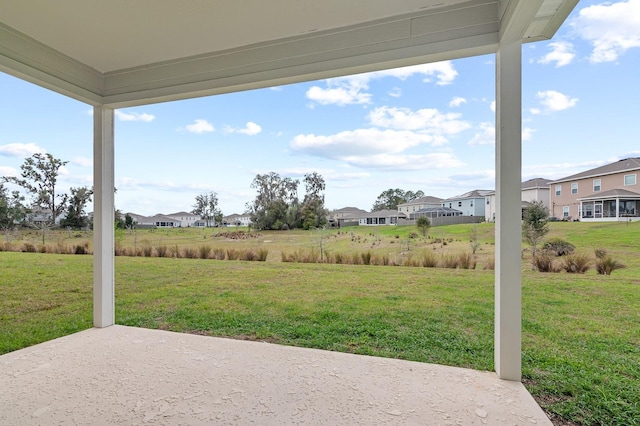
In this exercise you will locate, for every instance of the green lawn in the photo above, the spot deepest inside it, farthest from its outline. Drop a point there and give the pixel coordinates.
(581, 333)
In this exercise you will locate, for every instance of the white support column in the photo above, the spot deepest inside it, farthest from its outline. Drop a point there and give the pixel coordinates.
(508, 271)
(103, 218)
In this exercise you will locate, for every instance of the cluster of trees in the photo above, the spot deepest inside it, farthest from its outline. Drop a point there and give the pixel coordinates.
(42, 203)
(277, 205)
(389, 199)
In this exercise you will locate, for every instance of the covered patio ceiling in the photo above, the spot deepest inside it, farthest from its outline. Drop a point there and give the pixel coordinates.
(124, 53)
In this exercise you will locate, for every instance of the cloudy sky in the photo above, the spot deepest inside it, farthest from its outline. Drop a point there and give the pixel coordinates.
(428, 127)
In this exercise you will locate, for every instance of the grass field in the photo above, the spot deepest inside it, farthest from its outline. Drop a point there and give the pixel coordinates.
(581, 333)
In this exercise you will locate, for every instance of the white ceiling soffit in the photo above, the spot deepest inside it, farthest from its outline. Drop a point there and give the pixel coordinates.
(124, 52)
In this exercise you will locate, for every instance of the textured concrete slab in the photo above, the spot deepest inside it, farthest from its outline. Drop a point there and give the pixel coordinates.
(125, 375)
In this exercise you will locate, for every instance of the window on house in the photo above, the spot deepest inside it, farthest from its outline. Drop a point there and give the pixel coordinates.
(471, 204)
(459, 203)
(565, 211)
(574, 188)
(629, 180)
(487, 202)
(449, 205)
(596, 185)
(558, 190)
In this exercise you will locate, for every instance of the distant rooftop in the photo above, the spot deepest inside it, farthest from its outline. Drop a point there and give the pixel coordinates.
(624, 165)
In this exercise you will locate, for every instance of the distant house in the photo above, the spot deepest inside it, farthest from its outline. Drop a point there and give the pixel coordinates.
(156, 221)
(187, 220)
(237, 220)
(536, 189)
(381, 217)
(435, 212)
(418, 204)
(470, 203)
(607, 193)
(346, 216)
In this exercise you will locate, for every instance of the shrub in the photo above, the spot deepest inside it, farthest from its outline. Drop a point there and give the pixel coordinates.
(147, 251)
(189, 253)
(28, 248)
(576, 263)
(249, 255)
(544, 262)
(490, 264)
(218, 254)
(466, 261)
(605, 264)
(162, 251)
(233, 254)
(366, 258)
(449, 260)
(174, 251)
(559, 246)
(204, 251)
(80, 249)
(262, 255)
(429, 260)
(43, 249)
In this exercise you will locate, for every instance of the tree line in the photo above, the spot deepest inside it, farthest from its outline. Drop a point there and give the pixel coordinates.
(277, 204)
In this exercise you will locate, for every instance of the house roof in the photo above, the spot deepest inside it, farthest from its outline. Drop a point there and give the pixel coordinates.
(423, 200)
(621, 166)
(476, 193)
(613, 193)
(536, 183)
(182, 214)
(438, 210)
(124, 53)
(348, 210)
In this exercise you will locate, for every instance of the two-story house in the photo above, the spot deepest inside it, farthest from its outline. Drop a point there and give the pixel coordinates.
(607, 193)
(470, 203)
(419, 204)
(536, 189)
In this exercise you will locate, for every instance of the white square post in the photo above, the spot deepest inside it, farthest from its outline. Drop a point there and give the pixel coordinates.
(103, 218)
(508, 272)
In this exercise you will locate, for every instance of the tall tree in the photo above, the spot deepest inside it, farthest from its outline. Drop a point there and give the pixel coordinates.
(390, 198)
(313, 213)
(76, 216)
(535, 224)
(39, 177)
(206, 206)
(12, 209)
(276, 204)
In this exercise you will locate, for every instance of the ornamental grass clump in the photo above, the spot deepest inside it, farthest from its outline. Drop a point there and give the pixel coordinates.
(605, 264)
(545, 262)
(576, 263)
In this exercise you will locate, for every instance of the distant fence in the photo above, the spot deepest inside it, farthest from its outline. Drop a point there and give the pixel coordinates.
(446, 220)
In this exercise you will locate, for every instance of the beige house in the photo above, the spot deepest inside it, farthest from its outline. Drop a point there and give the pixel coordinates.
(607, 193)
(187, 220)
(536, 189)
(419, 204)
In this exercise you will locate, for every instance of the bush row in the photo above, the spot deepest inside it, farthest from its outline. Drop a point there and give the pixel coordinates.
(46, 248)
(201, 252)
(426, 259)
(576, 263)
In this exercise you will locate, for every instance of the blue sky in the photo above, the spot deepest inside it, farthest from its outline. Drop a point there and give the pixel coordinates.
(428, 127)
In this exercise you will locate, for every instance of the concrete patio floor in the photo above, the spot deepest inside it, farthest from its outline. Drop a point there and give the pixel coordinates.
(126, 375)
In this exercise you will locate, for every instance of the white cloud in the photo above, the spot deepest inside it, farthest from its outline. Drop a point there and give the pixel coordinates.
(439, 160)
(250, 129)
(561, 53)
(425, 121)
(134, 116)
(553, 101)
(375, 148)
(339, 92)
(82, 161)
(527, 133)
(20, 150)
(353, 89)
(492, 106)
(486, 135)
(611, 28)
(396, 92)
(457, 101)
(200, 126)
